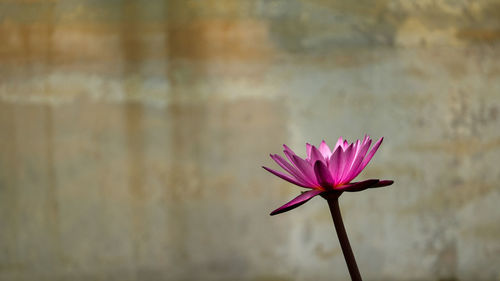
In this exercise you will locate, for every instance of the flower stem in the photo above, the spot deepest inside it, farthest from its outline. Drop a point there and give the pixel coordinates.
(333, 203)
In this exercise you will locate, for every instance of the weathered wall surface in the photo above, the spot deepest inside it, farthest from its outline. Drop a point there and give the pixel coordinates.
(132, 135)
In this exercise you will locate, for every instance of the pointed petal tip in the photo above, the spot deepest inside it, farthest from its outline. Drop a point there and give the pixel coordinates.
(316, 155)
(383, 183)
(379, 141)
(296, 202)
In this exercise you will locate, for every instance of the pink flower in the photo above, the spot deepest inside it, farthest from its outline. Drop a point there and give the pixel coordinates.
(326, 170)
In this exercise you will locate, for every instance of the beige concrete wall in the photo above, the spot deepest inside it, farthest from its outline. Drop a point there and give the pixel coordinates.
(132, 135)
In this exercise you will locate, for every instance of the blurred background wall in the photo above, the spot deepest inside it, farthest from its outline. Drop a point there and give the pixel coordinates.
(132, 135)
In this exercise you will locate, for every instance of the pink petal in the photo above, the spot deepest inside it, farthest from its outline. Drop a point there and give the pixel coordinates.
(297, 201)
(289, 154)
(366, 139)
(345, 144)
(334, 164)
(358, 186)
(325, 149)
(289, 150)
(346, 155)
(369, 156)
(316, 155)
(323, 174)
(350, 160)
(290, 169)
(306, 168)
(285, 177)
(338, 144)
(308, 150)
(357, 161)
(306, 177)
(383, 183)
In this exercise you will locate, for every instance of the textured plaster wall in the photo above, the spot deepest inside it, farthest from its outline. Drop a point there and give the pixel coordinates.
(132, 135)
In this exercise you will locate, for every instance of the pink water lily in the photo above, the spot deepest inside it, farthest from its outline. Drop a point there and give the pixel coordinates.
(327, 170)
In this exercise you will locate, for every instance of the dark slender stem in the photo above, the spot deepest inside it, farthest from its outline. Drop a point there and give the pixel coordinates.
(333, 203)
